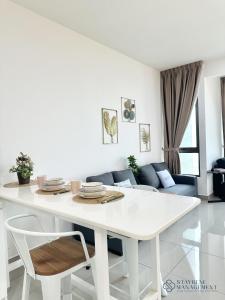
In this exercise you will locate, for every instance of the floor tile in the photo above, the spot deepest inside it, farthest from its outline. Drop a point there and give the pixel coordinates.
(213, 243)
(119, 281)
(15, 290)
(189, 230)
(170, 255)
(188, 237)
(198, 265)
(177, 294)
(37, 295)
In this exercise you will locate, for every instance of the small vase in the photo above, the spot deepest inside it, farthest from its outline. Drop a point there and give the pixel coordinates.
(22, 180)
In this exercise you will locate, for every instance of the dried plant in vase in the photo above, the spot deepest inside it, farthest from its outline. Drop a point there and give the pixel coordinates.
(23, 168)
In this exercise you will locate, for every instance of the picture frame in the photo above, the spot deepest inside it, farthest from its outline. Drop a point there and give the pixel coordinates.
(109, 126)
(128, 110)
(144, 137)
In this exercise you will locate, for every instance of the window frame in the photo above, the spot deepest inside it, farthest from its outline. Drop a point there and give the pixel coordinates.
(197, 148)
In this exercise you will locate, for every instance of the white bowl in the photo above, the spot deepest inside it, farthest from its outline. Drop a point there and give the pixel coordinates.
(52, 188)
(92, 189)
(91, 184)
(92, 195)
(54, 181)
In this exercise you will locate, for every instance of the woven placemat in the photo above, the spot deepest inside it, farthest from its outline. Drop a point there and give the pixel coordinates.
(67, 189)
(16, 184)
(110, 196)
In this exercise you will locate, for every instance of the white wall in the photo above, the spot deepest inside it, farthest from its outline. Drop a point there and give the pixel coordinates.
(213, 125)
(210, 121)
(214, 68)
(54, 83)
(213, 119)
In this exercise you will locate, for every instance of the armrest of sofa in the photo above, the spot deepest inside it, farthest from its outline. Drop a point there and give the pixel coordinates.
(185, 179)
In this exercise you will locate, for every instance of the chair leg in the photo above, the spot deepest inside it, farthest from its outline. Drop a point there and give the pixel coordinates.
(26, 286)
(93, 270)
(163, 291)
(67, 288)
(51, 288)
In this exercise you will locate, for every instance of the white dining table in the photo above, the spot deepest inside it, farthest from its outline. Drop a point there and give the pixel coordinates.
(139, 215)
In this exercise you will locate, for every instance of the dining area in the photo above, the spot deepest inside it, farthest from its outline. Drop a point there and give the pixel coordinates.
(135, 216)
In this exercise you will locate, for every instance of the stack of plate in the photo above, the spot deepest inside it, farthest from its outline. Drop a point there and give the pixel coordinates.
(92, 190)
(53, 185)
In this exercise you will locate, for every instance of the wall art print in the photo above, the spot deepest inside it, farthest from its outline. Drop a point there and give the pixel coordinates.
(128, 110)
(144, 137)
(109, 126)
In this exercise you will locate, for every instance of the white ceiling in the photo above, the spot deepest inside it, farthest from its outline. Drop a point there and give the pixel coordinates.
(160, 33)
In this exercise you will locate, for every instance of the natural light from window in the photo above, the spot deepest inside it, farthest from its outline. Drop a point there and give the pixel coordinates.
(189, 156)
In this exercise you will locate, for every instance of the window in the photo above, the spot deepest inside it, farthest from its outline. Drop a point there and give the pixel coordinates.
(189, 148)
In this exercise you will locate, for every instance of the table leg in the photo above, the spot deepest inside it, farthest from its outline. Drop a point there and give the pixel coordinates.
(102, 268)
(155, 264)
(125, 268)
(132, 263)
(4, 281)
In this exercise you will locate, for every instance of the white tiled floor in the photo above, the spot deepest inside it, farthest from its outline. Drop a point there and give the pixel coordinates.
(193, 248)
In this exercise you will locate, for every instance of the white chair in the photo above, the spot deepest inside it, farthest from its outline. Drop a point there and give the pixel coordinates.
(52, 263)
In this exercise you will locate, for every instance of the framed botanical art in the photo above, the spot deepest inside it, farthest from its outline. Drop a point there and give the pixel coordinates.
(109, 126)
(128, 110)
(144, 137)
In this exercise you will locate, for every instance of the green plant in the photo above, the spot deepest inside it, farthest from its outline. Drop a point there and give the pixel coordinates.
(132, 164)
(24, 166)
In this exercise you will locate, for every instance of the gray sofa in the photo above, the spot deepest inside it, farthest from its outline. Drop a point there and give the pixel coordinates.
(185, 185)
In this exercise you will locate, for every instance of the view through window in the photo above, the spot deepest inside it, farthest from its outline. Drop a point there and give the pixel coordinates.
(189, 148)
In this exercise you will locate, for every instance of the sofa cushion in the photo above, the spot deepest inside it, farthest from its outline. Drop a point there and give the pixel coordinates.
(160, 166)
(124, 175)
(165, 178)
(106, 178)
(148, 176)
(181, 189)
(125, 183)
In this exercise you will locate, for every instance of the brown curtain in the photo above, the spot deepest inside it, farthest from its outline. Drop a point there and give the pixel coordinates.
(222, 81)
(179, 87)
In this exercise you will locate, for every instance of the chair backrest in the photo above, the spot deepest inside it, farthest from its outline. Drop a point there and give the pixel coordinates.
(19, 237)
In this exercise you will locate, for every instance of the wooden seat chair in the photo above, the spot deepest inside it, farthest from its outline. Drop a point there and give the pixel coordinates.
(52, 263)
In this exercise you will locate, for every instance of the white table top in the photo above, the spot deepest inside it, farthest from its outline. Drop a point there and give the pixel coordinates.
(140, 214)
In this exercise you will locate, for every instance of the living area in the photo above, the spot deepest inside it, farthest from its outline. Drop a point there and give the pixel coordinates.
(112, 131)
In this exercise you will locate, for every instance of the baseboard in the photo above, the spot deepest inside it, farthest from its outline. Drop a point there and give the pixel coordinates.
(204, 197)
